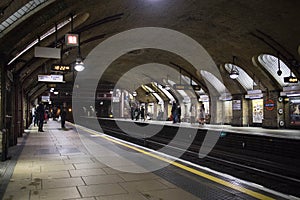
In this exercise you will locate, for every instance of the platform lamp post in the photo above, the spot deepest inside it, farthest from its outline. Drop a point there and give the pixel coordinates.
(234, 73)
(79, 65)
(74, 40)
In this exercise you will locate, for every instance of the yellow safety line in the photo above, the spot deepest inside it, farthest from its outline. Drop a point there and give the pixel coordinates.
(189, 169)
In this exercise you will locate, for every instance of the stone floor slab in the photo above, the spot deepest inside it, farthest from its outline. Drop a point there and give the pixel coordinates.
(62, 182)
(101, 190)
(86, 172)
(92, 180)
(55, 194)
(142, 186)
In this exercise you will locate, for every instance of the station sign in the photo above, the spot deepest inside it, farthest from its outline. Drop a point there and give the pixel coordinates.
(71, 39)
(254, 94)
(61, 68)
(204, 98)
(290, 79)
(51, 78)
(45, 99)
(269, 104)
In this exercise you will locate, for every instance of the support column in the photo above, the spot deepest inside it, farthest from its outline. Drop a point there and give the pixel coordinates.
(166, 114)
(217, 110)
(2, 134)
(237, 110)
(270, 110)
(18, 109)
(122, 104)
(3, 131)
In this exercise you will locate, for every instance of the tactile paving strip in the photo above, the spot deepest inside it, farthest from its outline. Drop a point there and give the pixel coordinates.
(198, 186)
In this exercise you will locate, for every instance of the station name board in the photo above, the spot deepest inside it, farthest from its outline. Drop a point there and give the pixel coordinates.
(51, 78)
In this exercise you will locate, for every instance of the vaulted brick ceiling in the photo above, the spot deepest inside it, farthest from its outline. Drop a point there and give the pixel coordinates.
(244, 29)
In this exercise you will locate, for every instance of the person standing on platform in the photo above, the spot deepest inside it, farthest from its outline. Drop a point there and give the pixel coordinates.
(137, 113)
(178, 114)
(33, 112)
(40, 114)
(142, 113)
(193, 113)
(174, 112)
(132, 112)
(54, 113)
(63, 115)
(202, 115)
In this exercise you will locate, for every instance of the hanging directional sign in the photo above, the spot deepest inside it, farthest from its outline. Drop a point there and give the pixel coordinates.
(71, 39)
(47, 52)
(51, 78)
(290, 79)
(182, 87)
(61, 68)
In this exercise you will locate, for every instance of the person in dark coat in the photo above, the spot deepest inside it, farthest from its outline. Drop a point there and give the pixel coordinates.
(137, 113)
(179, 114)
(40, 111)
(174, 112)
(142, 113)
(132, 112)
(63, 115)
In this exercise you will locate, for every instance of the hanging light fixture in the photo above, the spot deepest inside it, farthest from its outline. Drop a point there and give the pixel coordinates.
(234, 73)
(79, 66)
(279, 72)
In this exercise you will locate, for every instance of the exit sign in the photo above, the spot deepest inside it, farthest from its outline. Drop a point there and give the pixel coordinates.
(71, 39)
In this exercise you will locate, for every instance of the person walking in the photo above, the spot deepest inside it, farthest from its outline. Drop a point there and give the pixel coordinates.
(63, 115)
(40, 114)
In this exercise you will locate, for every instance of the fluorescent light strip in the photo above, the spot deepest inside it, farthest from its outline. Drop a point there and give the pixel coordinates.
(20, 13)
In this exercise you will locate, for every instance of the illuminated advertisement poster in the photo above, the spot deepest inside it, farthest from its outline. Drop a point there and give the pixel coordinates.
(295, 111)
(257, 110)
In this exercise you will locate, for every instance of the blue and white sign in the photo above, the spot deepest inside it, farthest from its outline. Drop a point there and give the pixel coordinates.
(51, 78)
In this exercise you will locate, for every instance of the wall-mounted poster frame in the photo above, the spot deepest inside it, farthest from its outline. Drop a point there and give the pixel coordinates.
(294, 111)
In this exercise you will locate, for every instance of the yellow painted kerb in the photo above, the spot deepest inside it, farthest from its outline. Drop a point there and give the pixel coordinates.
(189, 169)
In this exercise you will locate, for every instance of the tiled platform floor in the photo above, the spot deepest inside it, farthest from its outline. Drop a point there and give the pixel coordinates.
(55, 165)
